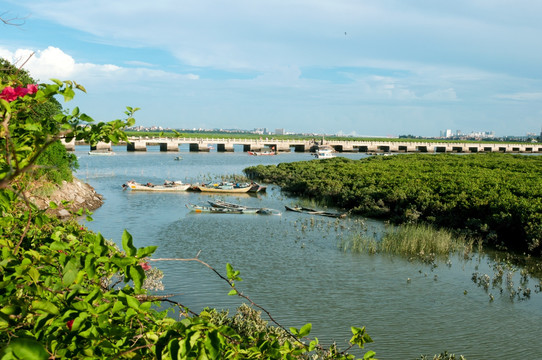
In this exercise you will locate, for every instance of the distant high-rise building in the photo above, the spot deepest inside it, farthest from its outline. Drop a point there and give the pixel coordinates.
(279, 131)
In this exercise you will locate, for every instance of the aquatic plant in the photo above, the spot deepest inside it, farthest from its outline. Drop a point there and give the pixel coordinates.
(414, 241)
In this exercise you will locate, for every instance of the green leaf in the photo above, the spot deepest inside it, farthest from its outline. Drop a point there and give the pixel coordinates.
(127, 244)
(233, 292)
(68, 94)
(305, 330)
(229, 271)
(34, 274)
(24, 348)
(132, 302)
(123, 262)
(138, 275)
(52, 205)
(45, 306)
(70, 273)
(174, 349)
(146, 251)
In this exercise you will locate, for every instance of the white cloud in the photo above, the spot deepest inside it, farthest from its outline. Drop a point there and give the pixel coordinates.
(52, 62)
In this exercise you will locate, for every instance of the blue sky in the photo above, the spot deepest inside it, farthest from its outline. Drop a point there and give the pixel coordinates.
(386, 67)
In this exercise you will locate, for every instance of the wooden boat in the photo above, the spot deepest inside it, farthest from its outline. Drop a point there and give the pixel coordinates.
(224, 204)
(315, 212)
(101, 152)
(168, 186)
(260, 153)
(224, 188)
(266, 152)
(228, 205)
(219, 210)
(257, 188)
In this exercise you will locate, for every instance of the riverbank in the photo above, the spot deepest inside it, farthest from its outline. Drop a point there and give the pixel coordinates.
(77, 194)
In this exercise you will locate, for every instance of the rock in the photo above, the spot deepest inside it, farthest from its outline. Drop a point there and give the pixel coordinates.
(78, 194)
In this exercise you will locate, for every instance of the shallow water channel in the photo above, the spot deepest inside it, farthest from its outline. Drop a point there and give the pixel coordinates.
(293, 267)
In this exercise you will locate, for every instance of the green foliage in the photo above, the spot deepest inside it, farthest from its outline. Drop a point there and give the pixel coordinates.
(495, 196)
(56, 164)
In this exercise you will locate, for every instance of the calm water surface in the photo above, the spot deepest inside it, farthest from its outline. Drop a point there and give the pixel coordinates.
(292, 266)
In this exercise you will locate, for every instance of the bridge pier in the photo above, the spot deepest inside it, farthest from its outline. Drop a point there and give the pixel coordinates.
(227, 147)
(169, 146)
(101, 146)
(203, 147)
(70, 146)
(253, 147)
(136, 146)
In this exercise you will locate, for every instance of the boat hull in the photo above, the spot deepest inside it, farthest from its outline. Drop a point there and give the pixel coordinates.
(220, 190)
(220, 210)
(158, 188)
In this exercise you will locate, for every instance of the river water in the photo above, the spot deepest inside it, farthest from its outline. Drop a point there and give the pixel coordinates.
(293, 267)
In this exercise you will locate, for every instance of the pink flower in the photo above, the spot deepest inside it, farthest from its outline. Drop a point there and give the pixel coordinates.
(8, 94)
(21, 91)
(145, 266)
(32, 88)
(69, 324)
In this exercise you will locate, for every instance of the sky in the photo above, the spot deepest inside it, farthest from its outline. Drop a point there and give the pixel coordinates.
(352, 67)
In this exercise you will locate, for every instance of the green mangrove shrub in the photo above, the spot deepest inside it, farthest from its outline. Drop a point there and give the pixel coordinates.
(494, 196)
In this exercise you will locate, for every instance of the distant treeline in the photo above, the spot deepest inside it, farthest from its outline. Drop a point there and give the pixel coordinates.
(495, 196)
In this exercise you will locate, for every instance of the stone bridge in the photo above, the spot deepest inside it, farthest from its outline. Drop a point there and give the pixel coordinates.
(373, 146)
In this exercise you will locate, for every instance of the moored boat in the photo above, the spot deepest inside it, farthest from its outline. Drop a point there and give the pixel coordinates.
(168, 186)
(257, 188)
(224, 204)
(224, 188)
(228, 205)
(271, 151)
(221, 210)
(101, 152)
(310, 211)
(324, 153)
(260, 153)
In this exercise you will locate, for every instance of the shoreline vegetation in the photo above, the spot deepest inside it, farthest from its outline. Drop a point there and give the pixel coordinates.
(494, 199)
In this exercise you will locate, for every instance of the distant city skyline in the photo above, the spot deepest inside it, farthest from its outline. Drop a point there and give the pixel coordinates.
(448, 133)
(368, 68)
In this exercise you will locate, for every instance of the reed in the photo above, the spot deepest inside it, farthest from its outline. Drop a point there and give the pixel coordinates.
(413, 240)
(420, 239)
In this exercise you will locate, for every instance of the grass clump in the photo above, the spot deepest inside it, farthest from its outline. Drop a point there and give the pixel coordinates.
(419, 241)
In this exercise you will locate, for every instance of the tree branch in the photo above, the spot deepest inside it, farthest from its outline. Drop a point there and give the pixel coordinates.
(231, 284)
